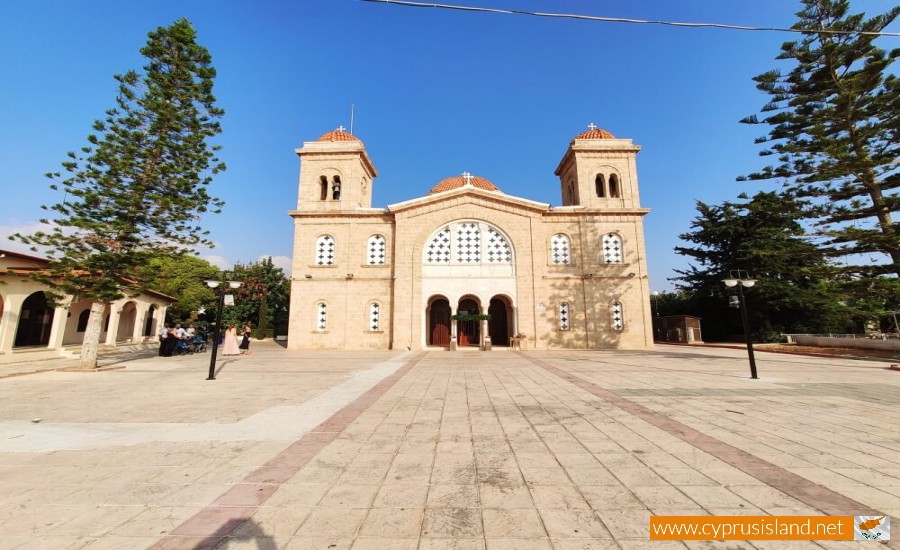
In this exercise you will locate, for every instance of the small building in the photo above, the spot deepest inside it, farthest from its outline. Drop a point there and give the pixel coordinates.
(677, 328)
(31, 328)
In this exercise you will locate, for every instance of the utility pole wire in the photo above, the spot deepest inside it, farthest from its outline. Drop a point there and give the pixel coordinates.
(624, 20)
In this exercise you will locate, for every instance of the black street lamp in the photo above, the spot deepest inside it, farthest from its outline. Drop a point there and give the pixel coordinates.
(656, 328)
(740, 279)
(220, 304)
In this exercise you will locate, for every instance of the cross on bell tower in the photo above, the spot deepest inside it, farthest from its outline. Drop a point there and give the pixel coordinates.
(468, 177)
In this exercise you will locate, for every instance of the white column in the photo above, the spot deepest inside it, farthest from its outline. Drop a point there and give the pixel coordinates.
(58, 328)
(113, 328)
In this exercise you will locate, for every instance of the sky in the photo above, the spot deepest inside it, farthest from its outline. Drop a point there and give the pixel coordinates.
(435, 93)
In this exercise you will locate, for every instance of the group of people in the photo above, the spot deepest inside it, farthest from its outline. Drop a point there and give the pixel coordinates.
(230, 345)
(174, 339)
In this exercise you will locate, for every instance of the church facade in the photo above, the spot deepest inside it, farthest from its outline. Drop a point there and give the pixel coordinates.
(468, 265)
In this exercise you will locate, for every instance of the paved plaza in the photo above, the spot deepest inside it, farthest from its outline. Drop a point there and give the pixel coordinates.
(405, 450)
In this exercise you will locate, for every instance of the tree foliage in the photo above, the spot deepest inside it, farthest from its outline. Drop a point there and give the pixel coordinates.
(182, 277)
(834, 124)
(262, 298)
(138, 189)
(762, 235)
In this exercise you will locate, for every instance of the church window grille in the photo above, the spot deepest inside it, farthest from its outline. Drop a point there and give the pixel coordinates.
(468, 243)
(617, 317)
(612, 249)
(560, 253)
(498, 249)
(614, 191)
(374, 310)
(376, 250)
(438, 250)
(321, 316)
(564, 316)
(325, 250)
(600, 184)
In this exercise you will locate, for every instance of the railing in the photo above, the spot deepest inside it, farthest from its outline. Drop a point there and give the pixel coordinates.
(792, 338)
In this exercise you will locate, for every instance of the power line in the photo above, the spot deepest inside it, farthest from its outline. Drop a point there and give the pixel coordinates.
(624, 20)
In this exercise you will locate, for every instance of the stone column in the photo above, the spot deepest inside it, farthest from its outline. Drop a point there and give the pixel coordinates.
(485, 330)
(453, 309)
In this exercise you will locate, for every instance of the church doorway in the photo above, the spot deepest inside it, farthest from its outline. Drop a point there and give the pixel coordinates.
(498, 325)
(439, 322)
(35, 321)
(468, 331)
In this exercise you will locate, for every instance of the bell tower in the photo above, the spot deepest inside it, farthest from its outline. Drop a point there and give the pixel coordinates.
(599, 171)
(336, 173)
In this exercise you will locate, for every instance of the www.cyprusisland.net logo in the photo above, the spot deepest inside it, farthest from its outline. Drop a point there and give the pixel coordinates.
(871, 527)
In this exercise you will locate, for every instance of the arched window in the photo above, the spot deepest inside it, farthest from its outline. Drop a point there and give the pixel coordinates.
(83, 321)
(614, 191)
(560, 253)
(376, 250)
(600, 184)
(564, 316)
(438, 249)
(321, 316)
(617, 318)
(571, 190)
(374, 311)
(336, 188)
(468, 243)
(612, 249)
(323, 182)
(325, 250)
(498, 249)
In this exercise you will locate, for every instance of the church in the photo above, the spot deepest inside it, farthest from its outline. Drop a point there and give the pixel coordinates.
(468, 265)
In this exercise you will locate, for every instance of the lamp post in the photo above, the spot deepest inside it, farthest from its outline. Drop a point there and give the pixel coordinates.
(220, 304)
(740, 279)
(656, 328)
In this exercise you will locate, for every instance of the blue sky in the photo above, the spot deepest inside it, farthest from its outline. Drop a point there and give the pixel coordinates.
(437, 92)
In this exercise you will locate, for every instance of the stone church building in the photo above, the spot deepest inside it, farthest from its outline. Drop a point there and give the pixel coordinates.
(468, 264)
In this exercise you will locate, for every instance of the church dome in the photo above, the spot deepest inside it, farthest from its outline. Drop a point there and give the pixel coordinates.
(338, 135)
(455, 182)
(595, 133)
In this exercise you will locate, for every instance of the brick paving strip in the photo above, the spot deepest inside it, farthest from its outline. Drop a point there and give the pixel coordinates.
(816, 496)
(210, 526)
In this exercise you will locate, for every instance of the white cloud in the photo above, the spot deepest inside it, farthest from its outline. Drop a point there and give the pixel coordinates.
(279, 261)
(25, 229)
(217, 261)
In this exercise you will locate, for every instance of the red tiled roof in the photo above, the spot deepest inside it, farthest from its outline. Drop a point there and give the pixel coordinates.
(455, 182)
(595, 133)
(338, 135)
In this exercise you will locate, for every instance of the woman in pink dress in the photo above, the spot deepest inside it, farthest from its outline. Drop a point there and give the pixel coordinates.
(230, 343)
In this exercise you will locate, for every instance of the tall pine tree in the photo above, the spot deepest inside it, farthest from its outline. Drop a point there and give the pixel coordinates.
(139, 188)
(834, 123)
(763, 236)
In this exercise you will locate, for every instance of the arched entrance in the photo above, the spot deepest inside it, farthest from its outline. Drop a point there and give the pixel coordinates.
(148, 324)
(35, 321)
(439, 322)
(468, 332)
(127, 318)
(498, 325)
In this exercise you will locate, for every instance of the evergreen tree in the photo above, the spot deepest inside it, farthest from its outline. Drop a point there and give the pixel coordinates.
(763, 236)
(262, 298)
(834, 126)
(182, 277)
(139, 188)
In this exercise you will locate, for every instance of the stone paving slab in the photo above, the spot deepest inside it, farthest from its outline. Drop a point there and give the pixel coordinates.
(439, 450)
